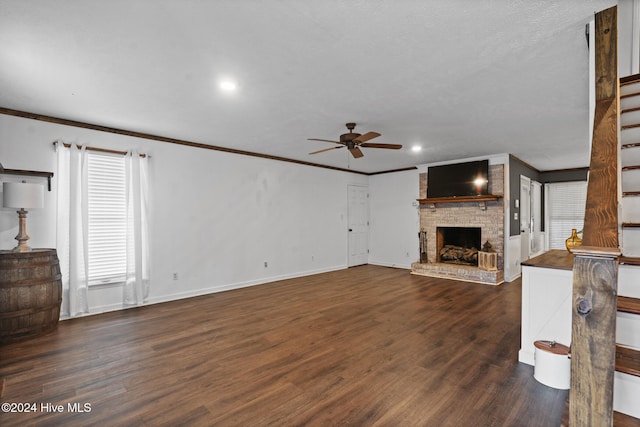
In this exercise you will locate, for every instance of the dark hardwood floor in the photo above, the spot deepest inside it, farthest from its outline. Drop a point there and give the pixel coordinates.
(367, 346)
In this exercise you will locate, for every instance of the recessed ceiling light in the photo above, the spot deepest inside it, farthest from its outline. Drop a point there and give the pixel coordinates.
(416, 148)
(228, 85)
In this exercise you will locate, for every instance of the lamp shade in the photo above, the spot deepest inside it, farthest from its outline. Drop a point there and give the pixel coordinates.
(22, 195)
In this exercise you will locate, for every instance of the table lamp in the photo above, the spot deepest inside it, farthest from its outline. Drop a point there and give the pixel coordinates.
(22, 195)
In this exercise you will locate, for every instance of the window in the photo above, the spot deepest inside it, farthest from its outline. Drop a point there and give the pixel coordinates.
(565, 210)
(102, 227)
(107, 218)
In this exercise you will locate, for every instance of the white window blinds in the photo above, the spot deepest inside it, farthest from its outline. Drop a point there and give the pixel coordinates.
(106, 217)
(565, 210)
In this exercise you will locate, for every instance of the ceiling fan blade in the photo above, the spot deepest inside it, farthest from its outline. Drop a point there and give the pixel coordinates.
(324, 140)
(367, 136)
(375, 145)
(326, 149)
(355, 152)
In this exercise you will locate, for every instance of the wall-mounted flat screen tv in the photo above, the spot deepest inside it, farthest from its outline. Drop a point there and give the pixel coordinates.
(459, 179)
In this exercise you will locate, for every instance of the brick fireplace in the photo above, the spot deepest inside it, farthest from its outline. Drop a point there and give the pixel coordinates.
(459, 224)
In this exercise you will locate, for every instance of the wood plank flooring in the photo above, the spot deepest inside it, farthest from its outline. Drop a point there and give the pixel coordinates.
(366, 346)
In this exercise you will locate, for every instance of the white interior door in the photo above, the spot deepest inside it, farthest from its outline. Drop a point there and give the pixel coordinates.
(358, 222)
(537, 243)
(525, 218)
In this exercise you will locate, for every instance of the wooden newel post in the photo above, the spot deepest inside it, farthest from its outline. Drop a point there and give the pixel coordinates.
(593, 336)
(595, 265)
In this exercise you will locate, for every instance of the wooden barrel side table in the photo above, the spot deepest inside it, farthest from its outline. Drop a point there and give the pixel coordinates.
(30, 293)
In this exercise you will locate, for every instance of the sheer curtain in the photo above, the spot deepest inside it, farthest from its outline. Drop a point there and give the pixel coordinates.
(136, 288)
(71, 228)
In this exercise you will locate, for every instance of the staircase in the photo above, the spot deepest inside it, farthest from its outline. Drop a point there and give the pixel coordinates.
(605, 346)
(627, 377)
(630, 168)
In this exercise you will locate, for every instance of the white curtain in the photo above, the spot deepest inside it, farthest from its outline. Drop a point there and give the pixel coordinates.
(136, 288)
(71, 228)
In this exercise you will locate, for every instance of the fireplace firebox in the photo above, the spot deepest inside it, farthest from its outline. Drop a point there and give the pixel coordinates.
(458, 245)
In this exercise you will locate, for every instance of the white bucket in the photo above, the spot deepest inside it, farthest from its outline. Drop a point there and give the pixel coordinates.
(552, 364)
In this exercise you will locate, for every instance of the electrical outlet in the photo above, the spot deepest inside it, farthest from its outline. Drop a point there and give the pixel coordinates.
(175, 276)
(265, 264)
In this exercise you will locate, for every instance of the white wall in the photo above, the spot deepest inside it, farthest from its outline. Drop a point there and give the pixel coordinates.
(394, 219)
(216, 217)
(628, 33)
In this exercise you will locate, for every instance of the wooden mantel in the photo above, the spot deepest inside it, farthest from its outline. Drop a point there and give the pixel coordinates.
(460, 199)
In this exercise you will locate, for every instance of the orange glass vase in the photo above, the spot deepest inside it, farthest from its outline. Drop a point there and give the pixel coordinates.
(573, 241)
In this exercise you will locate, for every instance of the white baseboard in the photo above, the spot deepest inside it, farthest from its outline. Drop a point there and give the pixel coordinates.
(205, 291)
(512, 278)
(238, 285)
(99, 310)
(526, 357)
(387, 264)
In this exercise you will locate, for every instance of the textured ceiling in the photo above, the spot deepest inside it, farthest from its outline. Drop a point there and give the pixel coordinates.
(461, 78)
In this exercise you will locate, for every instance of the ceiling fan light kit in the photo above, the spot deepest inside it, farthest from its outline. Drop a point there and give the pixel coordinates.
(354, 141)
